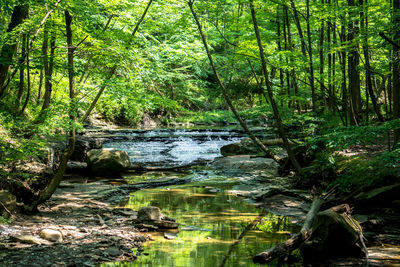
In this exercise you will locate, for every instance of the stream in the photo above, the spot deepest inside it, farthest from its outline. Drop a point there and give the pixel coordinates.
(217, 228)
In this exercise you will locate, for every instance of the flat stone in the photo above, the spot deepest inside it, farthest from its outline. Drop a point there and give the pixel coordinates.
(113, 251)
(169, 236)
(51, 235)
(29, 239)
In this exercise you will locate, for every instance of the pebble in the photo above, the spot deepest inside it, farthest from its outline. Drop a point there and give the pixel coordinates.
(51, 235)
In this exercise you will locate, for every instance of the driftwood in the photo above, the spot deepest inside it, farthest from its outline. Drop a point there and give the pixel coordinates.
(295, 241)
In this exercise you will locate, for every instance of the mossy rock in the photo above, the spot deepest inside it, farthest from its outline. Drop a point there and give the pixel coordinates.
(107, 162)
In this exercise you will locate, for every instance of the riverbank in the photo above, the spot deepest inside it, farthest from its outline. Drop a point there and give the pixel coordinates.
(96, 217)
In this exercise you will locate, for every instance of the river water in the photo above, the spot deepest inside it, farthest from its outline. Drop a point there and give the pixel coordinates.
(217, 228)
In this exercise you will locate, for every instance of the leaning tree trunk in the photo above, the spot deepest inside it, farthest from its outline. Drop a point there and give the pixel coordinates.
(225, 94)
(295, 241)
(268, 84)
(46, 193)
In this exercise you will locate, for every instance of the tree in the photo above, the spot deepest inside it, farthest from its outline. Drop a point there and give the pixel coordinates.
(20, 12)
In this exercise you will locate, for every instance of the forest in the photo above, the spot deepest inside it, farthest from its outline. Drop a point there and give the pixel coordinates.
(139, 132)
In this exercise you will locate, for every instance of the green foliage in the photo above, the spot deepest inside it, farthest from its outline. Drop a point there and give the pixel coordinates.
(4, 220)
(342, 137)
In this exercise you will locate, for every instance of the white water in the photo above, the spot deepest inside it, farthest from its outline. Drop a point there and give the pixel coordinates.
(177, 147)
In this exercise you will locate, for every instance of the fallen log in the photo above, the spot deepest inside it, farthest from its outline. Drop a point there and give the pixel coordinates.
(296, 240)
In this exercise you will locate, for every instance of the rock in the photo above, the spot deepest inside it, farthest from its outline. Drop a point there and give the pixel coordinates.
(246, 164)
(76, 167)
(83, 145)
(147, 226)
(379, 195)
(32, 167)
(152, 216)
(149, 213)
(247, 147)
(333, 236)
(28, 239)
(51, 235)
(170, 236)
(239, 149)
(162, 224)
(107, 162)
(9, 203)
(113, 251)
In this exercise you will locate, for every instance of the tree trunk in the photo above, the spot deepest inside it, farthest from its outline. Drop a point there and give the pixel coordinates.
(396, 67)
(28, 76)
(309, 68)
(21, 84)
(293, 243)
(343, 63)
(94, 102)
(46, 68)
(20, 12)
(310, 54)
(353, 62)
(46, 193)
(321, 58)
(292, 71)
(368, 75)
(289, 91)
(268, 84)
(224, 93)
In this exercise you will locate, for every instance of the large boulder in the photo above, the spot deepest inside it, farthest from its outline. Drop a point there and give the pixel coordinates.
(334, 235)
(107, 162)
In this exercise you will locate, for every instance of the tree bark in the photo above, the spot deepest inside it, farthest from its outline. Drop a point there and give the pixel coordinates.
(47, 70)
(396, 67)
(307, 52)
(310, 54)
(21, 84)
(292, 71)
(353, 62)
(368, 74)
(321, 58)
(28, 75)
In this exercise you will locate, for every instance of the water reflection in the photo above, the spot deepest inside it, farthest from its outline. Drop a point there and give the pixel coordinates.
(216, 228)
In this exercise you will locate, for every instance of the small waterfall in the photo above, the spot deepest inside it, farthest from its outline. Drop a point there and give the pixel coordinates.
(173, 147)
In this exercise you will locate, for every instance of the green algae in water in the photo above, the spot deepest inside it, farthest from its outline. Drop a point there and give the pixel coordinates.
(222, 228)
